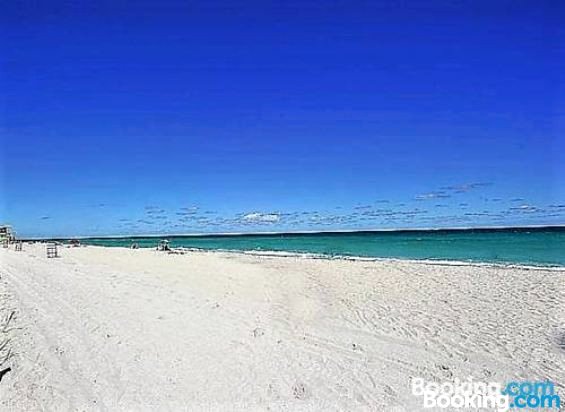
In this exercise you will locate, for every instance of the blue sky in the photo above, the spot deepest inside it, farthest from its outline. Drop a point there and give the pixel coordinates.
(176, 117)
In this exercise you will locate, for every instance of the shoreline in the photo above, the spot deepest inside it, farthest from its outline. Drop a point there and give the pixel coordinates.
(321, 256)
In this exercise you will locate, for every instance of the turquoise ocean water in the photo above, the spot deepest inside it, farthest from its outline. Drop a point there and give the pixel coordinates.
(531, 246)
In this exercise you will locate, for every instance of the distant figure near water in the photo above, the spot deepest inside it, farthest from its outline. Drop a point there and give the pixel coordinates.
(163, 246)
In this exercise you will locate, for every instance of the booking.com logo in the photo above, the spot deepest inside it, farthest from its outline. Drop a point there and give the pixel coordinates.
(528, 394)
(487, 395)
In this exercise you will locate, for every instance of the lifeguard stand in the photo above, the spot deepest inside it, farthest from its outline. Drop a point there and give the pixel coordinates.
(52, 250)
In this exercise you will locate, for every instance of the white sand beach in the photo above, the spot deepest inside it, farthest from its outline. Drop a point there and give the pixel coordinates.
(120, 329)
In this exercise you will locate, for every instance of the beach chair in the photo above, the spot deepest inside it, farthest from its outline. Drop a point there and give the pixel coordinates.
(18, 246)
(52, 250)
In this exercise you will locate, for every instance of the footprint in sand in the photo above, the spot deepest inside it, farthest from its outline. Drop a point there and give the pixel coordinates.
(299, 391)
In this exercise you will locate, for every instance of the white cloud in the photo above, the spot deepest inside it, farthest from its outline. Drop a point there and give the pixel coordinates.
(257, 217)
(466, 187)
(432, 195)
(527, 208)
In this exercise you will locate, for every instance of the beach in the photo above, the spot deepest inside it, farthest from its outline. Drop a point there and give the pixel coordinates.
(103, 328)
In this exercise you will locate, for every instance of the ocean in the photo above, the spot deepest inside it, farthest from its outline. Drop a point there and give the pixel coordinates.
(526, 246)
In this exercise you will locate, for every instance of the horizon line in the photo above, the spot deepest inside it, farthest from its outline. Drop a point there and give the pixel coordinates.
(298, 232)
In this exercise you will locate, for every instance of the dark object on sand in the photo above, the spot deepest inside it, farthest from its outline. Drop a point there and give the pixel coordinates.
(3, 372)
(74, 242)
(19, 246)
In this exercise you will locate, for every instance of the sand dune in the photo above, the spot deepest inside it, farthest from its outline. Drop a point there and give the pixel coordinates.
(119, 329)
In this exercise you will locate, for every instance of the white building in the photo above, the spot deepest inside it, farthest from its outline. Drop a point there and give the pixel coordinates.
(6, 233)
